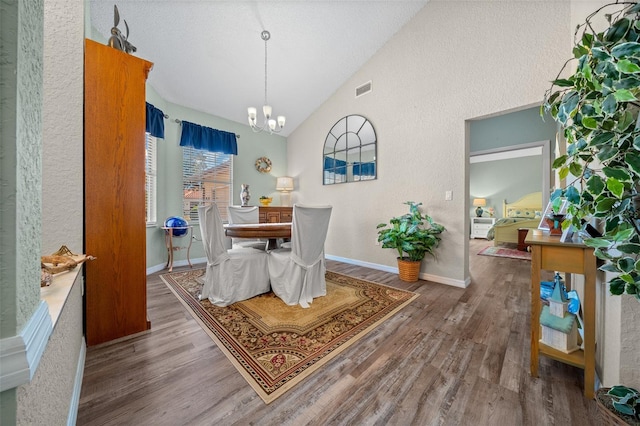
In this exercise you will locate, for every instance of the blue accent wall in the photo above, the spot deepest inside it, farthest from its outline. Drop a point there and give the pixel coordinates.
(513, 178)
(514, 128)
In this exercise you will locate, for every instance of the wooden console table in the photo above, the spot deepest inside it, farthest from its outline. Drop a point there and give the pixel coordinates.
(548, 253)
(275, 214)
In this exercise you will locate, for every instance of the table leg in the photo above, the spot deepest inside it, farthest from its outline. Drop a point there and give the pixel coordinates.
(189, 248)
(166, 244)
(170, 250)
(272, 244)
(536, 263)
(589, 323)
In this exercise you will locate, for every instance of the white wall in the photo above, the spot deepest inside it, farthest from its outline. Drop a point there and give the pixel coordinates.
(62, 161)
(454, 61)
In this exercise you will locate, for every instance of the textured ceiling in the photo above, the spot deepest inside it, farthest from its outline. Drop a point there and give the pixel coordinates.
(208, 54)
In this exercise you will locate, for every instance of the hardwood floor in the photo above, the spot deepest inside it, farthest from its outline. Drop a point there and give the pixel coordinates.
(453, 356)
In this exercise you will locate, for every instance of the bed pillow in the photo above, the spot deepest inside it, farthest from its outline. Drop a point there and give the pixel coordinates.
(525, 213)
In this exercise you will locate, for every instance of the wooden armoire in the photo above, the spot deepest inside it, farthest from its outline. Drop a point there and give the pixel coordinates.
(114, 193)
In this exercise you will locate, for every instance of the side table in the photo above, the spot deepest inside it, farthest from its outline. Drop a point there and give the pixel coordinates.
(549, 254)
(168, 241)
(480, 226)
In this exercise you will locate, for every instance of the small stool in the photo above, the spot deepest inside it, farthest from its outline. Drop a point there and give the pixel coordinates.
(522, 234)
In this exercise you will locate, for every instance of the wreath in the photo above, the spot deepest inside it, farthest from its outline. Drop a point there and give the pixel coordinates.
(263, 165)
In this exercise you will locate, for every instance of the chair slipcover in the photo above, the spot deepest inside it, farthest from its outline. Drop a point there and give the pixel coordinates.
(231, 275)
(239, 215)
(297, 274)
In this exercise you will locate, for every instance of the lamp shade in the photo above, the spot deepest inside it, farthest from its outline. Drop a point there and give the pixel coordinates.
(479, 202)
(284, 183)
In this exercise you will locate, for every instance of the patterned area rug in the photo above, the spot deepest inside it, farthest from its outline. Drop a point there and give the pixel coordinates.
(499, 251)
(274, 346)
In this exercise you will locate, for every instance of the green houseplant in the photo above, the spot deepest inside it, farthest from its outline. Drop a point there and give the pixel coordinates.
(597, 106)
(412, 235)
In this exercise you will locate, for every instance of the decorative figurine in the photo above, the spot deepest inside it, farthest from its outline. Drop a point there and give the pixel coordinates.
(559, 327)
(117, 40)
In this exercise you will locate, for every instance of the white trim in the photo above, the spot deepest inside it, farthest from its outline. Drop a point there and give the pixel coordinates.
(159, 268)
(429, 277)
(77, 386)
(505, 155)
(21, 354)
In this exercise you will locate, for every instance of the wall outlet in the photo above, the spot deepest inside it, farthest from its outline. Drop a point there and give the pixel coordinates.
(448, 195)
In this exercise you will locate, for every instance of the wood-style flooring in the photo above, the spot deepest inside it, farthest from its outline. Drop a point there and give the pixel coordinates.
(452, 357)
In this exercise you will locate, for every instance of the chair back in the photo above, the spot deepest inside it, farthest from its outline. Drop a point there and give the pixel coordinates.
(238, 214)
(212, 231)
(309, 232)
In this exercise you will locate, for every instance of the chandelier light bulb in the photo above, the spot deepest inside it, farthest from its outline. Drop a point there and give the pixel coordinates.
(281, 121)
(266, 110)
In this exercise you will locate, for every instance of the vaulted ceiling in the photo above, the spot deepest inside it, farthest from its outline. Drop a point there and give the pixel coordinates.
(208, 54)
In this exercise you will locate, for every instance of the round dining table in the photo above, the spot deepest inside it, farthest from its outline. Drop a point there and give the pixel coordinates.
(270, 231)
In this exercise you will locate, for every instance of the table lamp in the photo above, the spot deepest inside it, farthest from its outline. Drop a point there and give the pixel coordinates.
(479, 203)
(284, 184)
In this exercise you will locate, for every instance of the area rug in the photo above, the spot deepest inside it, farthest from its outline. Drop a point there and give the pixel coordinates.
(498, 251)
(275, 346)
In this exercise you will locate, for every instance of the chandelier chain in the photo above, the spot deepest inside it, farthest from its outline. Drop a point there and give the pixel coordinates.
(265, 70)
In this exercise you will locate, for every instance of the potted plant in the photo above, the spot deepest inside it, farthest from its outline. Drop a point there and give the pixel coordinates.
(597, 106)
(621, 400)
(413, 235)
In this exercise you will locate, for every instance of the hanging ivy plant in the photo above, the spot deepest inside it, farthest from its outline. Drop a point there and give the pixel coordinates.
(597, 106)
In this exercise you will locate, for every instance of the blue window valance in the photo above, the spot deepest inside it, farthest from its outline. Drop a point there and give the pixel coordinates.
(201, 137)
(155, 121)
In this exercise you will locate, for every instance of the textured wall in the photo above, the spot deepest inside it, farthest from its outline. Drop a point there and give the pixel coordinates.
(28, 166)
(47, 398)
(629, 342)
(453, 62)
(62, 190)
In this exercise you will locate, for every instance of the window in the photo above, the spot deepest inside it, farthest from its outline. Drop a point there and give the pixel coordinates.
(150, 161)
(206, 178)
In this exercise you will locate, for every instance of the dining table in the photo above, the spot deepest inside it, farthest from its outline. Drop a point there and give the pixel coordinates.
(269, 231)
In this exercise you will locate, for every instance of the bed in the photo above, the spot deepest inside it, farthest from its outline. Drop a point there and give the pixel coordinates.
(523, 213)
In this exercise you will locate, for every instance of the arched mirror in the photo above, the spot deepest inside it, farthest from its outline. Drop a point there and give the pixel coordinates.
(349, 153)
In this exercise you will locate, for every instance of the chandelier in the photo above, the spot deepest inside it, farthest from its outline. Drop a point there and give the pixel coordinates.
(269, 124)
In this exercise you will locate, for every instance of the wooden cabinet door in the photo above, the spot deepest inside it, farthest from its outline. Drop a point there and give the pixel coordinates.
(115, 230)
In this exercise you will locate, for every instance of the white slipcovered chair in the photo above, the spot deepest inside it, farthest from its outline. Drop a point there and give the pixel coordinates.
(297, 274)
(239, 215)
(231, 275)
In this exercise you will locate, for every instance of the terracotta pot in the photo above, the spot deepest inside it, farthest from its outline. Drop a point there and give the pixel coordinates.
(408, 270)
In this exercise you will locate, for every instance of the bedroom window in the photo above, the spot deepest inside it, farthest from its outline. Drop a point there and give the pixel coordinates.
(150, 180)
(206, 178)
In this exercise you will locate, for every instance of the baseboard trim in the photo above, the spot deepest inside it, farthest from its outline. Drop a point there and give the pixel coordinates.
(158, 268)
(77, 386)
(429, 277)
(21, 354)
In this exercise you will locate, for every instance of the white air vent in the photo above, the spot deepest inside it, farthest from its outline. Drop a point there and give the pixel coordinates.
(363, 90)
